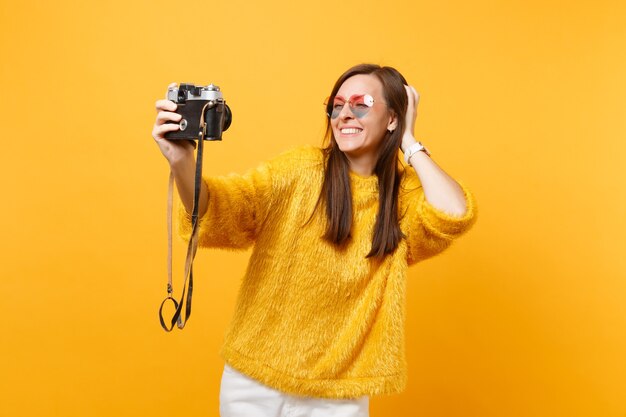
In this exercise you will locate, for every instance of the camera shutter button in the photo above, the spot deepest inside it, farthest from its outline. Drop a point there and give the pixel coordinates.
(183, 124)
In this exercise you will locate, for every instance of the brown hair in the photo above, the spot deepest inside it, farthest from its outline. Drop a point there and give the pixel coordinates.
(336, 193)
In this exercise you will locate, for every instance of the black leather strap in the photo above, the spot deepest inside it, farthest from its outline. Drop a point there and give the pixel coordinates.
(193, 240)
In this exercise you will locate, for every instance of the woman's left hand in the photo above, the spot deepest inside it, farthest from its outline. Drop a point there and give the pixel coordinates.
(411, 114)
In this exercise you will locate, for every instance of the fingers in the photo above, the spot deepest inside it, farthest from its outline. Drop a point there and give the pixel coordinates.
(411, 111)
(167, 116)
(165, 113)
(161, 126)
(412, 94)
(167, 105)
(416, 96)
(159, 131)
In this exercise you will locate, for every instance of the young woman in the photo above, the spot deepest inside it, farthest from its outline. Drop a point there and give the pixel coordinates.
(319, 320)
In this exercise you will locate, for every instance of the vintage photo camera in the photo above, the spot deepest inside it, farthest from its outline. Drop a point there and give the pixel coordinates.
(191, 100)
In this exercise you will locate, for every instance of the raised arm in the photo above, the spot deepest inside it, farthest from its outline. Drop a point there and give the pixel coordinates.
(440, 189)
(442, 209)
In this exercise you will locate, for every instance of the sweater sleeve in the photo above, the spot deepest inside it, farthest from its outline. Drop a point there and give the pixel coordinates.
(430, 230)
(237, 207)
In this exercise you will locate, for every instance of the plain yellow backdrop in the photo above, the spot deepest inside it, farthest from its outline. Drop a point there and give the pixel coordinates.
(523, 100)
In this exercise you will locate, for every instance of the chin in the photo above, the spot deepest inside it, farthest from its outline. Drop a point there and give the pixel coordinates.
(349, 144)
(348, 147)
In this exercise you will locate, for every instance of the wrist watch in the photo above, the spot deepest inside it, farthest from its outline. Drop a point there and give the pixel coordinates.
(413, 149)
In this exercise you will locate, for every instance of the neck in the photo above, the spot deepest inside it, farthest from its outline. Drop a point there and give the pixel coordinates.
(363, 165)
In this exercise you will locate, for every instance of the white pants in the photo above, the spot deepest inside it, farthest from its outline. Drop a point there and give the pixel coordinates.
(242, 396)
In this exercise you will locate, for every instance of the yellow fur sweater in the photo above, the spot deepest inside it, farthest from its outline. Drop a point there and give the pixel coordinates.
(311, 319)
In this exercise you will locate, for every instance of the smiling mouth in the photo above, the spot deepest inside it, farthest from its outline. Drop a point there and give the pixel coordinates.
(351, 131)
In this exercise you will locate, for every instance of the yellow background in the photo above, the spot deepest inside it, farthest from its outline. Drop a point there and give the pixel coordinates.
(523, 100)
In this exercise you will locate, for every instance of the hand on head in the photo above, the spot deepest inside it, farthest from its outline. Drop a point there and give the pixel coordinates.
(408, 137)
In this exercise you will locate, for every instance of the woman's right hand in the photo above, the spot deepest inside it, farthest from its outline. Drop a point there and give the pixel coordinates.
(175, 151)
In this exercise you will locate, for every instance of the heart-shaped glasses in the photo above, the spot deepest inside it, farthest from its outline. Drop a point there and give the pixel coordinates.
(359, 104)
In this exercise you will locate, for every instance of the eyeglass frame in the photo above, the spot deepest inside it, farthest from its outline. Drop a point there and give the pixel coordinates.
(367, 98)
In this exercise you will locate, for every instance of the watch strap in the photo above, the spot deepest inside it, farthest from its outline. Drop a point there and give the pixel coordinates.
(413, 149)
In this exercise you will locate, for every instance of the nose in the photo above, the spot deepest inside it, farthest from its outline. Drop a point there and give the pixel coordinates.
(346, 112)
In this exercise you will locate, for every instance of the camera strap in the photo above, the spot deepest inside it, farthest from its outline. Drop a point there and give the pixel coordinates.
(192, 247)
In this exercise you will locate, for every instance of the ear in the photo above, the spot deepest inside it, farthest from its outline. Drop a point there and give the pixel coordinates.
(393, 122)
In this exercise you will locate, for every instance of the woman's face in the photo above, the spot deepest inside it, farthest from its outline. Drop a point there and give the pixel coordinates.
(360, 135)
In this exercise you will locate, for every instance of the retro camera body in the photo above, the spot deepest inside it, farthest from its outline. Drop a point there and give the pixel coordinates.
(191, 100)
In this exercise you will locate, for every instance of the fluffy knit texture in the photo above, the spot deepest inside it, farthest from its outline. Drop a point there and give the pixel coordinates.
(310, 319)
